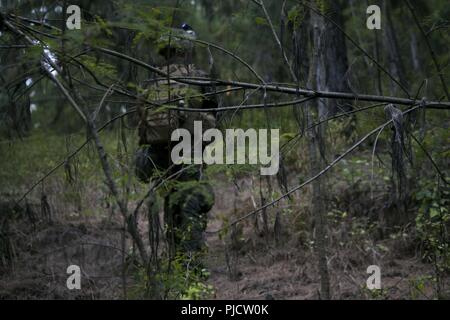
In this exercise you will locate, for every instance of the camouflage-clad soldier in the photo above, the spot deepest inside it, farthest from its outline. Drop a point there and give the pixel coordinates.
(187, 203)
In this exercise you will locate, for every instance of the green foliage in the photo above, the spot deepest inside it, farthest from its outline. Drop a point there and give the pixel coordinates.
(376, 294)
(323, 6)
(432, 222)
(261, 21)
(26, 161)
(100, 68)
(103, 26)
(419, 285)
(186, 281)
(296, 15)
(179, 278)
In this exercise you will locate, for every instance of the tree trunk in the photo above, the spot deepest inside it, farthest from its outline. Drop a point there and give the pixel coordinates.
(394, 58)
(332, 62)
(317, 79)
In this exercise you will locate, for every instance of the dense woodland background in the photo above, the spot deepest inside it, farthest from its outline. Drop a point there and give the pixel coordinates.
(68, 194)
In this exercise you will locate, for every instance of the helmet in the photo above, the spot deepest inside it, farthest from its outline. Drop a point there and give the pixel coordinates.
(177, 42)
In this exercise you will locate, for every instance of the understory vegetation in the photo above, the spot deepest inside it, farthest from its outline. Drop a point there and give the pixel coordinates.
(363, 180)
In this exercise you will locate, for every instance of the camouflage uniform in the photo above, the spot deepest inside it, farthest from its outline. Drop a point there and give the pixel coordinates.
(189, 200)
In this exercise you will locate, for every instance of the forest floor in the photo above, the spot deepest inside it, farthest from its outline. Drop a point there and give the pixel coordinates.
(288, 271)
(257, 268)
(244, 266)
